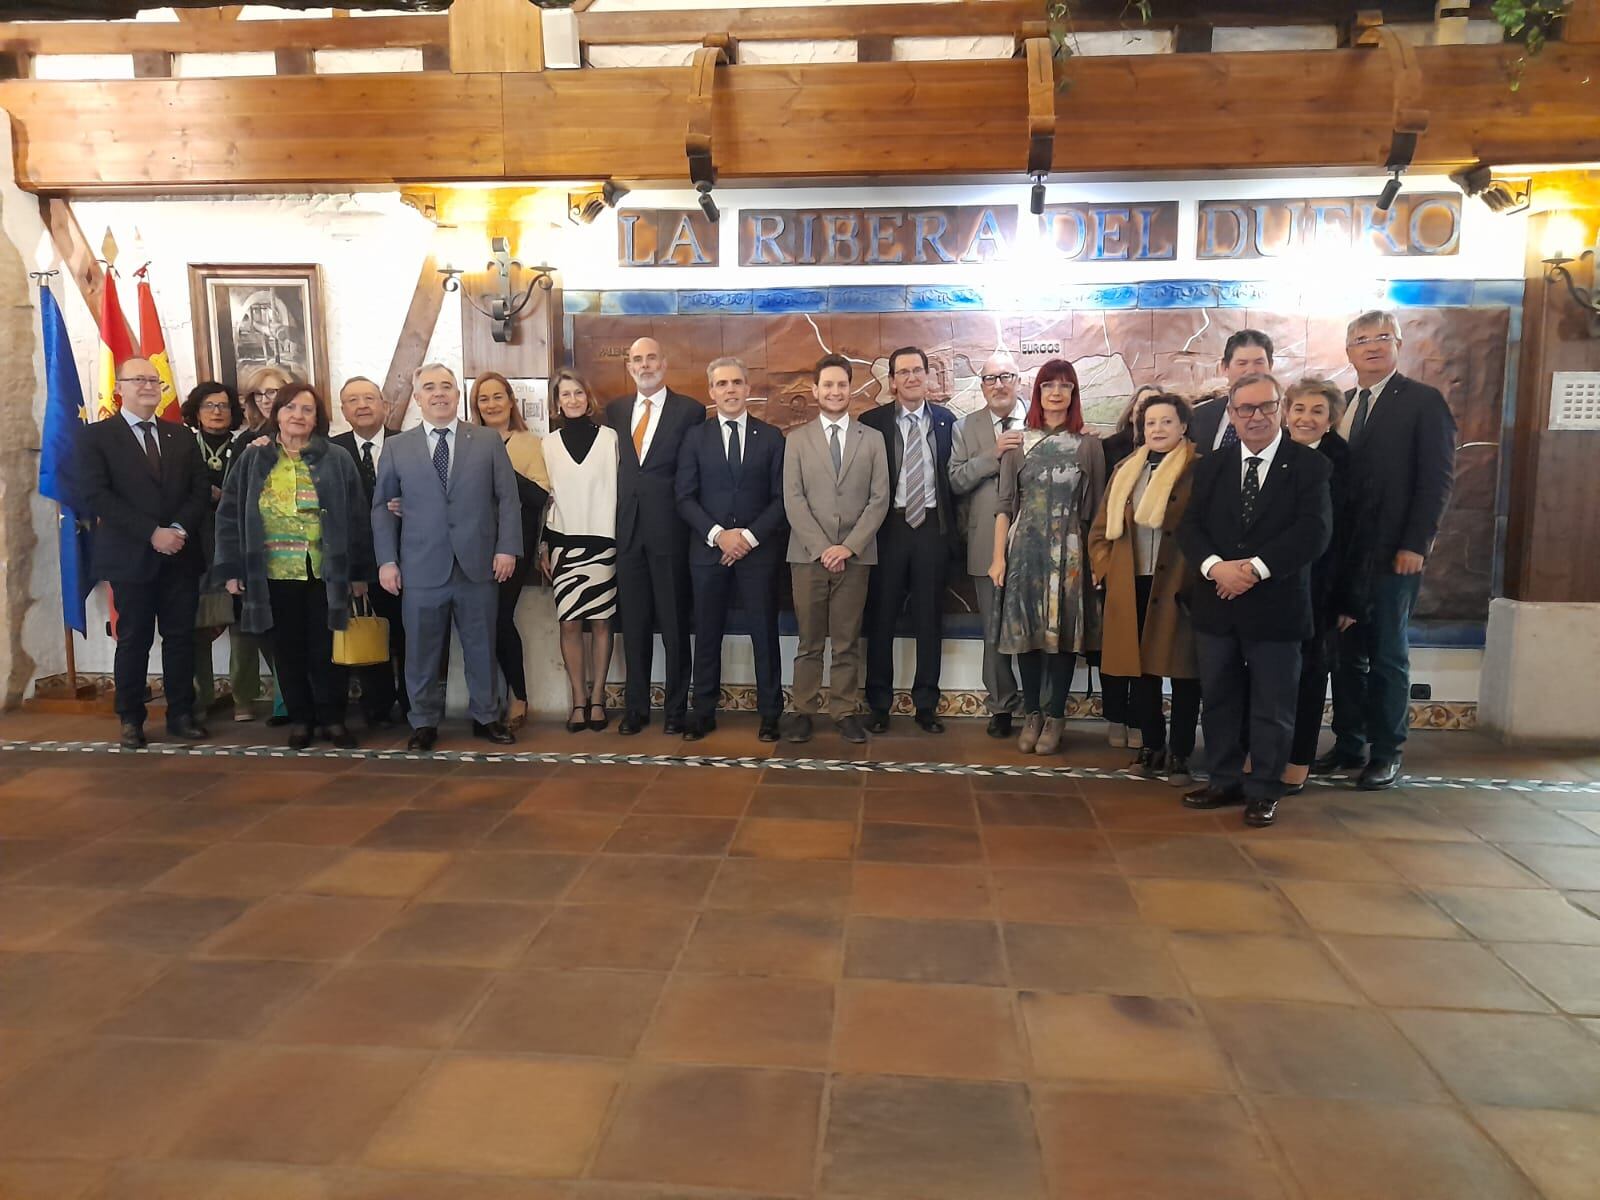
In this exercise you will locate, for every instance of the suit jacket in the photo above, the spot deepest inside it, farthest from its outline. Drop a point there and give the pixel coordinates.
(828, 510)
(886, 420)
(708, 493)
(975, 476)
(1208, 417)
(347, 440)
(1404, 466)
(113, 482)
(1291, 529)
(647, 511)
(478, 516)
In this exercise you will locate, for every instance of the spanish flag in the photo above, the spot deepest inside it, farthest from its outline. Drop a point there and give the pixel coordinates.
(153, 345)
(116, 347)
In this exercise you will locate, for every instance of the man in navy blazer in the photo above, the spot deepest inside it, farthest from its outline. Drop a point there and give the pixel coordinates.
(730, 493)
(916, 542)
(1246, 352)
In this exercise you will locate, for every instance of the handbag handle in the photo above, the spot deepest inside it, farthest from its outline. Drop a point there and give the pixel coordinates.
(361, 606)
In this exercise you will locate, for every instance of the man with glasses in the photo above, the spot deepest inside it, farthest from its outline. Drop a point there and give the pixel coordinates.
(980, 439)
(146, 483)
(1259, 515)
(916, 542)
(1402, 466)
(1246, 352)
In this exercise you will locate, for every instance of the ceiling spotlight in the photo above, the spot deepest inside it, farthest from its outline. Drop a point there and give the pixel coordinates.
(1036, 196)
(707, 204)
(1390, 191)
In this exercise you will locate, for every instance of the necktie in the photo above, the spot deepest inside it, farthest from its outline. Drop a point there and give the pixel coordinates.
(441, 457)
(833, 449)
(735, 459)
(369, 471)
(639, 431)
(916, 475)
(1251, 492)
(148, 430)
(1005, 423)
(1363, 406)
(1230, 435)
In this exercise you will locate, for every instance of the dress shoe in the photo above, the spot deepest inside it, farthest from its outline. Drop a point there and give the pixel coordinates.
(1178, 771)
(516, 714)
(999, 725)
(423, 739)
(1214, 797)
(631, 724)
(582, 722)
(1150, 764)
(851, 729)
(187, 729)
(1334, 762)
(878, 721)
(341, 737)
(696, 728)
(797, 727)
(1049, 736)
(494, 731)
(928, 721)
(1379, 775)
(1260, 813)
(277, 722)
(299, 737)
(672, 726)
(769, 730)
(1032, 726)
(132, 736)
(600, 722)
(1294, 789)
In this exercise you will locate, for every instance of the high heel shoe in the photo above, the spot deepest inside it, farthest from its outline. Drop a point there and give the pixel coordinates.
(605, 717)
(516, 713)
(576, 726)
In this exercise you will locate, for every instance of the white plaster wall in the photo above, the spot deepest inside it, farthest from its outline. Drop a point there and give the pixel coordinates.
(1274, 37)
(362, 62)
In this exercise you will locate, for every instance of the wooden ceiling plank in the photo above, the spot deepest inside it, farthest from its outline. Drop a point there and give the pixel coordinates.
(230, 37)
(495, 35)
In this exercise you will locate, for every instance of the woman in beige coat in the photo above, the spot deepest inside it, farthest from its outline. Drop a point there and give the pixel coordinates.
(1134, 554)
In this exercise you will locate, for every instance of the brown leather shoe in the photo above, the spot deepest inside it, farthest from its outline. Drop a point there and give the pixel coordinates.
(1032, 727)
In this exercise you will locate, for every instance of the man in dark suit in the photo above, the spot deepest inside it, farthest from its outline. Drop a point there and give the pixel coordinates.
(652, 541)
(730, 492)
(146, 483)
(382, 684)
(1258, 517)
(1402, 464)
(1246, 352)
(915, 543)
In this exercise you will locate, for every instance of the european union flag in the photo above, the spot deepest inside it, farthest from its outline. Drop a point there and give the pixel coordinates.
(63, 424)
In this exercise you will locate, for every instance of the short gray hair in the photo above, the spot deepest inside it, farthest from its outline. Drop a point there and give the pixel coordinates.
(727, 360)
(1245, 381)
(416, 376)
(1374, 316)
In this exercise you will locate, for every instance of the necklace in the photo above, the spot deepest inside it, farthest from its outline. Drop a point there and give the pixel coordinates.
(215, 459)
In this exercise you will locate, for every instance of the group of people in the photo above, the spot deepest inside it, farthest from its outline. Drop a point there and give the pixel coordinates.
(1230, 554)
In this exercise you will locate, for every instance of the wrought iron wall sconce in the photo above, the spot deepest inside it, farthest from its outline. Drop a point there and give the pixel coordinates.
(504, 305)
(1555, 267)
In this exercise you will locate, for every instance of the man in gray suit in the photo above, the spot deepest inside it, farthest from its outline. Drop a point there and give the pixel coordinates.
(836, 493)
(461, 534)
(980, 439)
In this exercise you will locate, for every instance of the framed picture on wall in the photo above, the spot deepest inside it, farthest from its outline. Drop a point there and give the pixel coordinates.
(247, 317)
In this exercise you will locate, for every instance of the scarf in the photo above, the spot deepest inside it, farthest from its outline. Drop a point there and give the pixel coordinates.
(1152, 510)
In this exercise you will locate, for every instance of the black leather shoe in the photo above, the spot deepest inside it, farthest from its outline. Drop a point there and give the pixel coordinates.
(1209, 797)
(630, 724)
(797, 727)
(999, 725)
(277, 722)
(423, 739)
(1334, 762)
(696, 728)
(187, 729)
(878, 721)
(600, 722)
(1178, 770)
(1152, 764)
(299, 737)
(494, 731)
(1260, 813)
(928, 721)
(851, 730)
(672, 726)
(132, 736)
(1379, 775)
(341, 737)
(769, 730)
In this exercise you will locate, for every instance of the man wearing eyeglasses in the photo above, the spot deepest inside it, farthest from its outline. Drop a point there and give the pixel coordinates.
(980, 439)
(1259, 515)
(1402, 464)
(915, 544)
(145, 482)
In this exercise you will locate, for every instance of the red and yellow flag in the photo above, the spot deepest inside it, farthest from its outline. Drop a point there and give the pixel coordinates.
(116, 347)
(153, 345)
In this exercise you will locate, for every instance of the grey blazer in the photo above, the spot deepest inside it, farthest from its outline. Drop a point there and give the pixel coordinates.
(975, 475)
(827, 510)
(479, 516)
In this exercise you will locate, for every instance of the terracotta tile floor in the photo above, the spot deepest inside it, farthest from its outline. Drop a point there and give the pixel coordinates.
(367, 979)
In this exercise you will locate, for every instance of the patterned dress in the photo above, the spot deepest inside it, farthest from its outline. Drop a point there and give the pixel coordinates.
(1050, 490)
(581, 528)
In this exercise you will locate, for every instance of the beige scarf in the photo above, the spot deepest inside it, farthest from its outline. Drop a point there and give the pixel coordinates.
(1152, 510)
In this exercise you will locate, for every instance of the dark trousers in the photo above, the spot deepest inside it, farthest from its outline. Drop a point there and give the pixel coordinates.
(910, 576)
(383, 684)
(169, 601)
(507, 641)
(653, 595)
(1372, 685)
(1034, 666)
(314, 690)
(755, 582)
(1236, 670)
(1115, 691)
(1145, 696)
(1313, 692)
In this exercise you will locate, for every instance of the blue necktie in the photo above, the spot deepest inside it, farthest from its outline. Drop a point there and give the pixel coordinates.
(441, 457)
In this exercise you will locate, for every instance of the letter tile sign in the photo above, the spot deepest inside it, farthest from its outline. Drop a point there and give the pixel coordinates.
(659, 237)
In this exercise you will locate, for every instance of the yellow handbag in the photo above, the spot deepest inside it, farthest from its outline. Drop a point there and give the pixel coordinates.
(364, 640)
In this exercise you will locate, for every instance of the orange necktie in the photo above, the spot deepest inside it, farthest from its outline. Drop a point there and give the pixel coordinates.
(639, 430)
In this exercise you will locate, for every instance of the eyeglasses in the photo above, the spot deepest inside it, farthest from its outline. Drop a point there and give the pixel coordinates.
(1003, 377)
(911, 372)
(141, 380)
(1251, 411)
(265, 394)
(1369, 339)
(215, 406)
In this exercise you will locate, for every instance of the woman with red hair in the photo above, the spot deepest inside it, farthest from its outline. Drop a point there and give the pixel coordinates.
(1049, 491)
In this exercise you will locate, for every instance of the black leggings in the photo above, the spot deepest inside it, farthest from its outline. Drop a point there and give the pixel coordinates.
(1114, 701)
(507, 641)
(1032, 666)
(1315, 663)
(1145, 699)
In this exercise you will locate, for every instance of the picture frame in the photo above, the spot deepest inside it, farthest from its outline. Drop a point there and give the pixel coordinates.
(253, 315)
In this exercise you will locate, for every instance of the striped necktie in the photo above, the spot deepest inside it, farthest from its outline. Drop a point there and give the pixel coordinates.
(916, 474)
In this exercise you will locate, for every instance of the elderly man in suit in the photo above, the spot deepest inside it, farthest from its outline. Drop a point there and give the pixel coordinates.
(836, 494)
(1246, 352)
(980, 439)
(1259, 515)
(730, 492)
(1402, 463)
(653, 586)
(145, 482)
(461, 535)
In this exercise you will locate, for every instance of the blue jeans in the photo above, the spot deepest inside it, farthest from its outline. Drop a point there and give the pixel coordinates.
(1372, 684)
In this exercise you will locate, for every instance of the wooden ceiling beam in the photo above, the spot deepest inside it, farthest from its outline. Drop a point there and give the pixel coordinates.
(224, 37)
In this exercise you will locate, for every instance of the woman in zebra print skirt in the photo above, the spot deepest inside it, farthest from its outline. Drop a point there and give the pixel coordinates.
(580, 544)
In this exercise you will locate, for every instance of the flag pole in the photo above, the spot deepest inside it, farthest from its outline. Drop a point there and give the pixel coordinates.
(42, 279)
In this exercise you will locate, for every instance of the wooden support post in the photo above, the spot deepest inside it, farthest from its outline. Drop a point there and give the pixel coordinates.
(412, 344)
(1192, 37)
(1582, 22)
(16, 63)
(874, 49)
(80, 260)
(153, 64)
(295, 62)
(495, 36)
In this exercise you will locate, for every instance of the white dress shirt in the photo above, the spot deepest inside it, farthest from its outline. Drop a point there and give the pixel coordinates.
(376, 442)
(744, 452)
(916, 424)
(842, 424)
(450, 440)
(1347, 422)
(657, 401)
(1018, 415)
(1266, 455)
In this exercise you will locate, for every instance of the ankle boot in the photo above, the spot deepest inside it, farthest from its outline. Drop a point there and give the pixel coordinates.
(1049, 736)
(1032, 726)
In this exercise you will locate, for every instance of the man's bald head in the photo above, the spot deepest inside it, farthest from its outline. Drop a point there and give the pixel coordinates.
(647, 365)
(1001, 379)
(139, 387)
